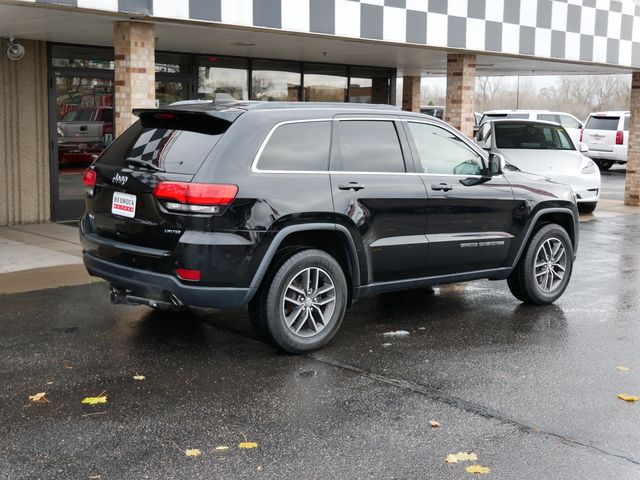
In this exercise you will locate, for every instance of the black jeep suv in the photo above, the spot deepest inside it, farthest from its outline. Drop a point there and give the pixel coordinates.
(297, 210)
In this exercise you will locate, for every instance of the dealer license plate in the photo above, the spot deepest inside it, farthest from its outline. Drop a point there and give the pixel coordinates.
(123, 204)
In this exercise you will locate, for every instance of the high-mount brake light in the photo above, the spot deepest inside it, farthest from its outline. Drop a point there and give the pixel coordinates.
(89, 181)
(165, 116)
(195, 197)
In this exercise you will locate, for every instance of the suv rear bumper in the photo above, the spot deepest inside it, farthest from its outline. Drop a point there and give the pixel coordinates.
(158, 286)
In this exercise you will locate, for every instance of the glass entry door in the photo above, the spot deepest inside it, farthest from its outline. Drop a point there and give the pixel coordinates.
(83, 121)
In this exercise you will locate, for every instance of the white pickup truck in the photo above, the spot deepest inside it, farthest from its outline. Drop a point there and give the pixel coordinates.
(84, 132)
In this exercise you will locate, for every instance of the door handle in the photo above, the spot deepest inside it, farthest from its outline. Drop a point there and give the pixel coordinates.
(355, 186)
(444, 187)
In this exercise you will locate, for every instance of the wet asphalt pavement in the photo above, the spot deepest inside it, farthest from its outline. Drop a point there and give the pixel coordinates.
(531, 390)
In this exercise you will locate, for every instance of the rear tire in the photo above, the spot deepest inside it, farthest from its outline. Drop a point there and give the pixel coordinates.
(603, 165)
(301, 303)
(587, 207)
(544, 270)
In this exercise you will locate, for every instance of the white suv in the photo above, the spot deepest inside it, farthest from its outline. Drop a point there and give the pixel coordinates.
(607, 136)
(571, 124)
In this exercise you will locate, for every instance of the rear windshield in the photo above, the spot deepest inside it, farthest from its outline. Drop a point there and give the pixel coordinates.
(81, 115)
(174, 150)
(603, 123)
(533, 137)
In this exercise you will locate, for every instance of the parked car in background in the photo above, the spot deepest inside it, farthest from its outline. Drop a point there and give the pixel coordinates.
(545, 149)
(297, 210)
(84, 132)
(607, 136)
(571, 124)
(434, 111)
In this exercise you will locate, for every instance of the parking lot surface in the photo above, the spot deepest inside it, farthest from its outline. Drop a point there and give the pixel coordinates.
(531, 390)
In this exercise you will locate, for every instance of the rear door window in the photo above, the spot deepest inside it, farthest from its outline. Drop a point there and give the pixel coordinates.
(301, 146)
(369, 146)
(602, 123)
(546, 117)
(626, 124)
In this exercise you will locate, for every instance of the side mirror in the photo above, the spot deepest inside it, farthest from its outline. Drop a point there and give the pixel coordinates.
(583, 148)
(496, 164)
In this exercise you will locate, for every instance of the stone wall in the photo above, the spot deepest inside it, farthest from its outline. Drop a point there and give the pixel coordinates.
(461, 82)
(24, 136)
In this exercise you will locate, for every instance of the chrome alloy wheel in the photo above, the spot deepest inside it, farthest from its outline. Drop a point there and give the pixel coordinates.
(309, 302)
(550, 264)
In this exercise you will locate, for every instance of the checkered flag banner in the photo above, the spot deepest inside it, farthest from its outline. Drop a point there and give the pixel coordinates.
(598, 31)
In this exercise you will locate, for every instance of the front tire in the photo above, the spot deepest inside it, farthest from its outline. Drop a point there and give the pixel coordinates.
(544, 270)
(301, 303)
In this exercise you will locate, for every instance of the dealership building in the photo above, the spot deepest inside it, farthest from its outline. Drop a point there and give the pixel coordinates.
(71, 71)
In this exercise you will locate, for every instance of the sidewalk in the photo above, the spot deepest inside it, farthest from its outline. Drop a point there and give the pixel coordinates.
(33, 257)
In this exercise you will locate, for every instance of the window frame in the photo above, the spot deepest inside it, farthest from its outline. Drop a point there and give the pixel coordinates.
(255, 167)
(405, 150)
(417, 164)
(256, 161)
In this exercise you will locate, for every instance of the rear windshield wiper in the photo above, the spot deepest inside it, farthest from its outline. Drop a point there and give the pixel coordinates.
(142, 163)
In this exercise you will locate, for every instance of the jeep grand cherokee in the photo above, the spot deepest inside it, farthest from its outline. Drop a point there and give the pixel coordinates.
(298, 210)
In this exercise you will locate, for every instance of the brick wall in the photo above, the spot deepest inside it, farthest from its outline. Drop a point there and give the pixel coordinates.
(632, 187)
(134, 45)
(411, 94)
(461, 80)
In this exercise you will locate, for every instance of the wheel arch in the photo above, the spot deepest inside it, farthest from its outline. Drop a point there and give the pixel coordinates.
(565, 217)
(333, 238)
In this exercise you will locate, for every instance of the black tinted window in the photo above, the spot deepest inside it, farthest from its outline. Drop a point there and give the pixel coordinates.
(603, 123)
(369, 146)
(176, 151)
(532, 137)
(298, 146)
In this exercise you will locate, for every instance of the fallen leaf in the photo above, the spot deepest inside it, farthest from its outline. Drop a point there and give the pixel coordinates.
(94, 400)
(222, 447)
(248, 445)
(39, 398)
(399, 333)
(622, 369)
(434, 423)
(139, 377)
(193, 452)
(461, 457)
(628, 398)
(477, 469)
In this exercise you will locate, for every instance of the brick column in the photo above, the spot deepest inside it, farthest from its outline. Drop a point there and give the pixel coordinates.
(411, 94)
(632, 186)
(135, 85)
(461, 83)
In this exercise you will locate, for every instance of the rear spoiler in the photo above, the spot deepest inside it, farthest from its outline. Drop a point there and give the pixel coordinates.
(210, 122)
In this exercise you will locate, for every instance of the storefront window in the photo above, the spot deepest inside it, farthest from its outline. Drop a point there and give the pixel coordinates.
(173, 63)
(81, 57)
(325, 83)
(369, 85)
(222, 75)
(276, 81)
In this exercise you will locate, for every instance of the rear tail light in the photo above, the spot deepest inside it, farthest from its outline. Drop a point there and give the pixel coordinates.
(190, 275)
(619, 137)
(89, 180)
(195, 197)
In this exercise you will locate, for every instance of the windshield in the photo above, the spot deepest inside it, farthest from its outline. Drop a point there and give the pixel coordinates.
(532, 136)
(80, 115)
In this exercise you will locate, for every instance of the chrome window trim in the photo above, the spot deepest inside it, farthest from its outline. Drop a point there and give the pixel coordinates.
(391, 118)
